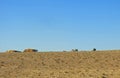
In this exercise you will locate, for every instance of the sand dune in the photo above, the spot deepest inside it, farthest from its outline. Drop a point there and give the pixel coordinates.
(99, 64)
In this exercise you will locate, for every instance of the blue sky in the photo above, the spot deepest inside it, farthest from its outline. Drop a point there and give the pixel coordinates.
(53, 25)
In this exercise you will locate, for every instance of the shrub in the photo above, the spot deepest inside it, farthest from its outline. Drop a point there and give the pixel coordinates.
(74, 50)
(94, 49)
(30, 50)
(12, 51)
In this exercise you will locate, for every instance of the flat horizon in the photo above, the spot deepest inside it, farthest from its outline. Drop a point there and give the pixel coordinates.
(59, 25)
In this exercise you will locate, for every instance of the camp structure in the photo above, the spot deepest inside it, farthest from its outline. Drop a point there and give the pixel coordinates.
(30, 50)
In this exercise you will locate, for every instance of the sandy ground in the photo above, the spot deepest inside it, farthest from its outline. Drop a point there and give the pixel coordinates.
(99, 64)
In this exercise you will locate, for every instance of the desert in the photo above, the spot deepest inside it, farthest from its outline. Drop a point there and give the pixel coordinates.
(81, 64)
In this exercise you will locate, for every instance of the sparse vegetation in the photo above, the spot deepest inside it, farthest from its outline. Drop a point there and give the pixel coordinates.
(30, 50)
(102, 64)
(74, 50)
(12, 51)
(94, 49)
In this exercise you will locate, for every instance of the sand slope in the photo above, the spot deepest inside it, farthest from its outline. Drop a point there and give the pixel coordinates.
(99, 64)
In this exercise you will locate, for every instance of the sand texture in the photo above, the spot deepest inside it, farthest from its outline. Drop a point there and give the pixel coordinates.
(99, 64)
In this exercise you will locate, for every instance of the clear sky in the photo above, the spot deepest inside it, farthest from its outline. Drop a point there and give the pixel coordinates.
(52, 25)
